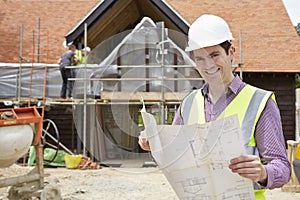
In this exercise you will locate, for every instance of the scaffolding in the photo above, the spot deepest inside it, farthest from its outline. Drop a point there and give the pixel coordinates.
(146, 63)
(32, 183)
(143, 63)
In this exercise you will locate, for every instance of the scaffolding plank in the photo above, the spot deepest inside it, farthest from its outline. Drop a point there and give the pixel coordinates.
(146, 96)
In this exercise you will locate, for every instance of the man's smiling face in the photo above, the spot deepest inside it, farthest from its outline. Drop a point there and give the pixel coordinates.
(214, 64)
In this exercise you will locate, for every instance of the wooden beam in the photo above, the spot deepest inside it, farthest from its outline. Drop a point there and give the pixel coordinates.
(293, 184)
(147, 96)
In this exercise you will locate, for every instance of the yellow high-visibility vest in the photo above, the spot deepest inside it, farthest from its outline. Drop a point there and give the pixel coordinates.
(79, 55)
(248, 105)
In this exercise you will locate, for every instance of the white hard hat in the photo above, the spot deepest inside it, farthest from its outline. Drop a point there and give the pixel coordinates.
(208, 30)
(67, 45)
(88, 49)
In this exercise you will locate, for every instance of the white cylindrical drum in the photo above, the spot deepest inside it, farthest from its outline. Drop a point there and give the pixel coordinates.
(15, 141)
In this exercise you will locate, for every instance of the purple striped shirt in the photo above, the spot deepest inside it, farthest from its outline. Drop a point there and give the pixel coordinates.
(268, 133)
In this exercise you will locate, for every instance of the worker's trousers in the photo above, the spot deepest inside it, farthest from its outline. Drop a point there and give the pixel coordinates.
(67, 85)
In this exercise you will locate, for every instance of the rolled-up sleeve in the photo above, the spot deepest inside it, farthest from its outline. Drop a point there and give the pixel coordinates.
(271, 145)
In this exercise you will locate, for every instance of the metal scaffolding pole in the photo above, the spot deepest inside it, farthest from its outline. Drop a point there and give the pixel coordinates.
(241, 55)
(162, 46)
(19, 76)
(84, 96)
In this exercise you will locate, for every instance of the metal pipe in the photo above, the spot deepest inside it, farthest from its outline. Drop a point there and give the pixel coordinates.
(46, 70)
(111, 103)
(84, 95)
(93, 120)
(19, 85)
(31, 71)
(39, 40)
(92, 66)
(134, 79)
(162, 110)
(60, 144)
(19, 180)
(241, 55)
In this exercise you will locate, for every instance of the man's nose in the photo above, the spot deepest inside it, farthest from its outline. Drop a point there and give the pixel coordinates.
(209, 61)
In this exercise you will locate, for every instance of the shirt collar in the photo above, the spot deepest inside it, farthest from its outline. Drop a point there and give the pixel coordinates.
(233, 87)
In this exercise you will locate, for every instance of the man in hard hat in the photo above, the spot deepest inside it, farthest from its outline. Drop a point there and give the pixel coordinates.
(85, 54)
(67, 73)
(224, 94)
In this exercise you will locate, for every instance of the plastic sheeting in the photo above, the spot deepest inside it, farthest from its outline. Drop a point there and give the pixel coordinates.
(147, 51)
(32, 76)
(145, 46)
(148, 58)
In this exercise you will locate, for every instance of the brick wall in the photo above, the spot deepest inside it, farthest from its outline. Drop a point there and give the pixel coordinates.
(270, 41)
(57, 17)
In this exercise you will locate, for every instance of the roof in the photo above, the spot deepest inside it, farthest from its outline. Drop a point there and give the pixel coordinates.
(265, 40)
(103, 6)
(56, 19)
(111, 17)
(269, 40)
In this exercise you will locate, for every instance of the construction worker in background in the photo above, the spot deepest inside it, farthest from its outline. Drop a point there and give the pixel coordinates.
(66, 73)
(79, 57)
(85, 54)
(224, 94)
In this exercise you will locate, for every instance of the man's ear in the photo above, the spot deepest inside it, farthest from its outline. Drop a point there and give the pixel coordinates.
(231, 50)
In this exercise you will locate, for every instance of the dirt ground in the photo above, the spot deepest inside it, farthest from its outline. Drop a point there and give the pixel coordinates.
(113, 183)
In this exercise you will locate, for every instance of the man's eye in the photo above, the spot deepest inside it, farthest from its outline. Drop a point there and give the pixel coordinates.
(214, 55)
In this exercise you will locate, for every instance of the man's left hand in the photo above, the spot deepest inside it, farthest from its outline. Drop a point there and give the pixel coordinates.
(249, 166)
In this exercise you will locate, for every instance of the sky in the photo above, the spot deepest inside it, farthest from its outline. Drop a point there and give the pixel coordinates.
(293, 9)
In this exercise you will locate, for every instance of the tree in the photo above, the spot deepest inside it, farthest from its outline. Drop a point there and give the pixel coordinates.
(298, 29)
(297, 80)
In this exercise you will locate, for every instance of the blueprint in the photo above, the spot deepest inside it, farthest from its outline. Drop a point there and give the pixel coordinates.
(195, 158)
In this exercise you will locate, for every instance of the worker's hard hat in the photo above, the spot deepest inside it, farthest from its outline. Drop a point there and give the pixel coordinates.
(66, 45)
(208, 30)
(87, 49)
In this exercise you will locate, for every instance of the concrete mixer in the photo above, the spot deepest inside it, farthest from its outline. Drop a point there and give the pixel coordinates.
(14, 143)
(21, 128)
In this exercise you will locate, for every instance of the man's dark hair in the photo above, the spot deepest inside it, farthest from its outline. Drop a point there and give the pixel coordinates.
(226, 45)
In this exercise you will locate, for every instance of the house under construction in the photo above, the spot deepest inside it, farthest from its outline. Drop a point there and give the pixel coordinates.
(138, 56)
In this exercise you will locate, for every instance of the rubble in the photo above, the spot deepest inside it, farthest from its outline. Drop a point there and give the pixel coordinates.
(87, 163)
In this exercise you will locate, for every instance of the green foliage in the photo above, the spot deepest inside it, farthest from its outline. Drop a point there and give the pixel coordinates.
(140, 120)
(297, 81)
(298, 29)
(156, 117)
(171, 116)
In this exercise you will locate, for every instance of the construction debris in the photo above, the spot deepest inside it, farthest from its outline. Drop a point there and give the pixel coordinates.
(87, 163)
(7, 115)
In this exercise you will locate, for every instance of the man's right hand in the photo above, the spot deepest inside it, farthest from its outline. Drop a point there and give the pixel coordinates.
(144, 142)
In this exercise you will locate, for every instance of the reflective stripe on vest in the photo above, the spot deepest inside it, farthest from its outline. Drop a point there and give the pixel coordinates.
(248, 105)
